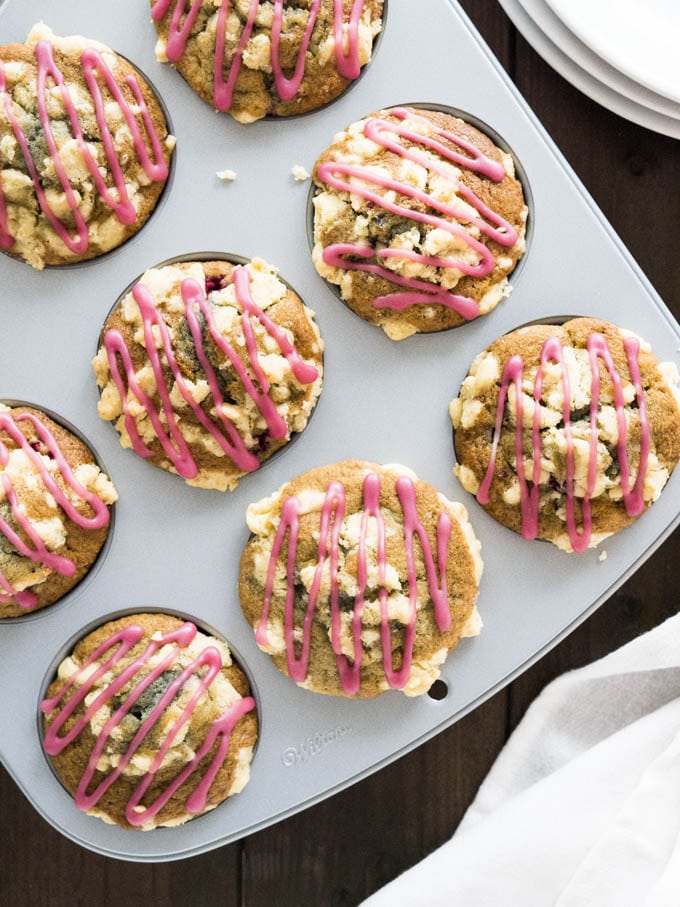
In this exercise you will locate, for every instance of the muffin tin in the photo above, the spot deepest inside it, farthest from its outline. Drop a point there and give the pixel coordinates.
(177, 548)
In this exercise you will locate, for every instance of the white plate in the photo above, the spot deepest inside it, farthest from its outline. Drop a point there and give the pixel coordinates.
(583, 80)
(639, 37)
(554, 28)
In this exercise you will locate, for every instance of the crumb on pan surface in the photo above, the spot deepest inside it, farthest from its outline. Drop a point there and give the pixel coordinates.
(384, 584)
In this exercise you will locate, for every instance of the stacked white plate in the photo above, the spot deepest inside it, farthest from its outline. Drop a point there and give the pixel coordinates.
(624, 54)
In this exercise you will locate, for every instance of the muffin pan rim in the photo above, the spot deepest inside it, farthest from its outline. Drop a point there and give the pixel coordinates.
(370, 733)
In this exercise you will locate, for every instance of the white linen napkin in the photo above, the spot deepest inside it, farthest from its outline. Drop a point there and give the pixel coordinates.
(582, 807)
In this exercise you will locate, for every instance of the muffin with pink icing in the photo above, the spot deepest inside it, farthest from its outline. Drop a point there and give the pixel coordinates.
(54, 510)
(259, 57)
(84, 149)
(207, 368)
(360, 578)
(149, 722)
(419, 219)
(567, 432)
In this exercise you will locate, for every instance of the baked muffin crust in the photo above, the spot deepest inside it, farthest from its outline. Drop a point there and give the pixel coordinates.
(418, 219)
(84, 149)
(259, 57)
(599, 437)
(54, 510)
(359, 578)
(149, 722)
(207, 368)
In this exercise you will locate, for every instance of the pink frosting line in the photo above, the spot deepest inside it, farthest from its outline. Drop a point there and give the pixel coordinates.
(226, 435)
(358, 181)
(342, 255)
(157, 170)
(39, 552)
(288, 88)
(633, 497)
(207, 666)
(330, 523)
(346, 60)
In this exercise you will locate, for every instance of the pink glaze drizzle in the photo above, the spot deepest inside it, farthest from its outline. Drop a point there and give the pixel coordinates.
(222, 429)
(206, 667)
(35, 548)
(330, 522)
(346, 60)
(513, 373)
(93, 65)
(358, 180)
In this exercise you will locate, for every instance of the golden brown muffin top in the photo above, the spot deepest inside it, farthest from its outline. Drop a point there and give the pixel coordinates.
(208, 368)
(360, 577)
(418, 219)
(84, 149)
(599, 430)
(254, 59)
(149, 722)
(54, 510)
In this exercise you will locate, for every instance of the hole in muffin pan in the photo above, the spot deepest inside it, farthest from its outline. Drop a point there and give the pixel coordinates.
(103, 551)
(233, 259)
(68, 645)
(160, 202)
(497, 139)
(439, 690)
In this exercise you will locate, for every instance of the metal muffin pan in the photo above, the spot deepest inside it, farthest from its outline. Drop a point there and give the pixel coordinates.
(178, 547)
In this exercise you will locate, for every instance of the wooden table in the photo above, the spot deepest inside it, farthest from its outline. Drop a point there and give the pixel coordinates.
(337, 853)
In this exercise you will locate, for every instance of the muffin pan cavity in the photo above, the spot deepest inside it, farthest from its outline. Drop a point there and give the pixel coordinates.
(63, 517)
(208, 366)
(382, 401)
(417, 218)
(175, 729)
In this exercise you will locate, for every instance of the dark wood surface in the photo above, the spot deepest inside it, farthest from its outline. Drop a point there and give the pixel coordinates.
(337, 853)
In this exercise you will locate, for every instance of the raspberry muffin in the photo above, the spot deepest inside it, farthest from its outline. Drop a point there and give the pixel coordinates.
(259, 57)
(149, 722)
(84, 149)
(591, 414)
(207, 368)
(359, 578)
(54, 510)
(418, 219)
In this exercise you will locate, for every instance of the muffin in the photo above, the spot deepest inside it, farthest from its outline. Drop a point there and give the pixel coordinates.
(278, 57)
(418, 219)
(358, 578)
(149, 722)
(599, 430)
(207, 368)
(54, 510)
(84, 149)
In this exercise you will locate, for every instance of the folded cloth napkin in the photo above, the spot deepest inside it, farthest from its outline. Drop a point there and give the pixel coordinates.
(582, 807)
